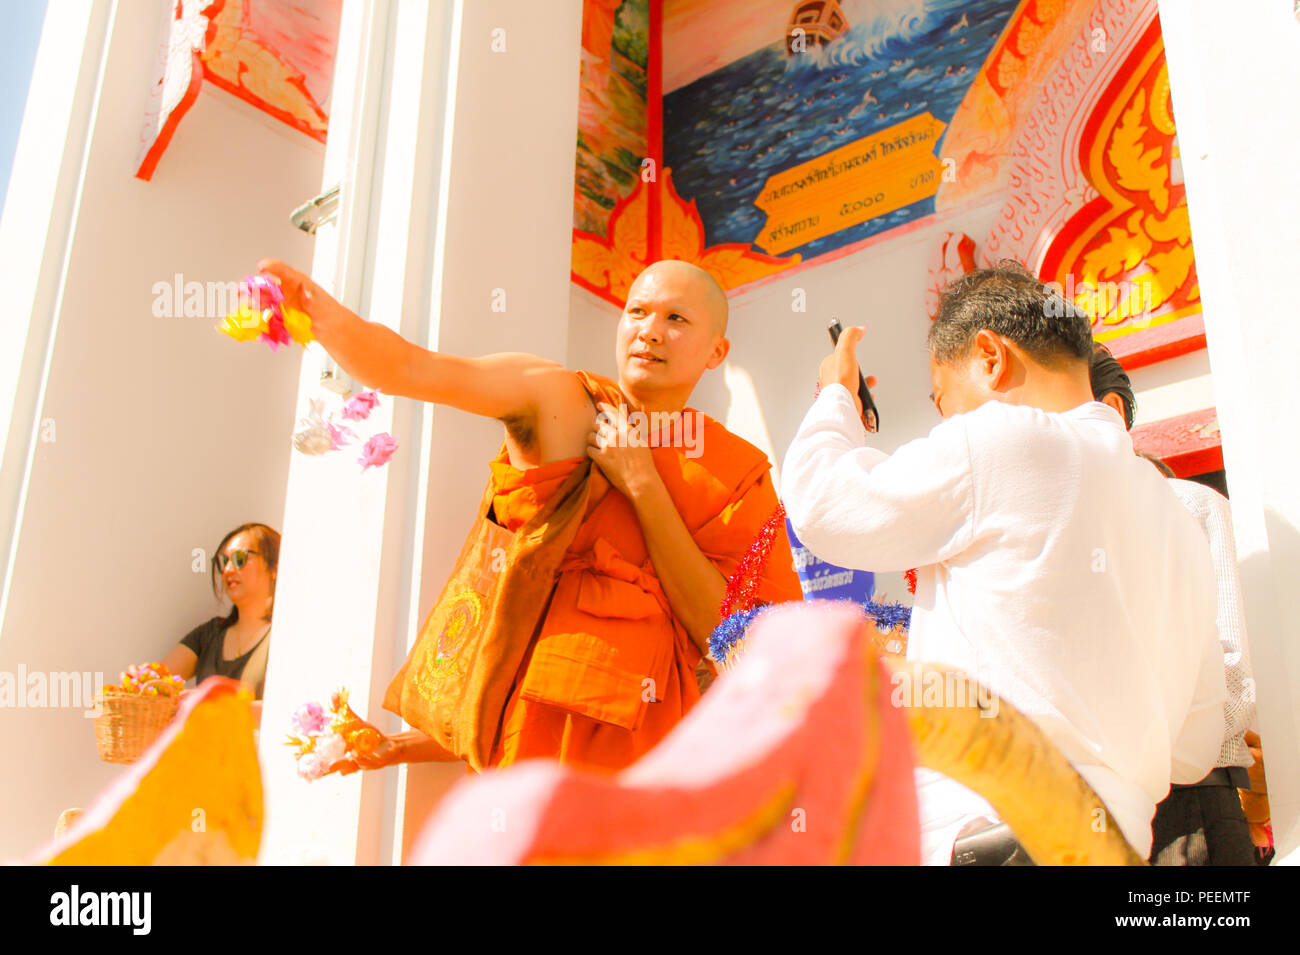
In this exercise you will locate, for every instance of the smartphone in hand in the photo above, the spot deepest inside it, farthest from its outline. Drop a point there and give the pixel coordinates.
(869, 412)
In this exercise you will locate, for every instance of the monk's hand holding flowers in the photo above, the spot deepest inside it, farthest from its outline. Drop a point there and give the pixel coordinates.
(376, 752)
(329, 318)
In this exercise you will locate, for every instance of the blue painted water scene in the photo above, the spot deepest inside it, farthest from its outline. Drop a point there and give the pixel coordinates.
(862, 68)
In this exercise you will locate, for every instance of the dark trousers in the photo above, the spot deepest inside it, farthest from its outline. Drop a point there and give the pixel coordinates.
(1202, 825)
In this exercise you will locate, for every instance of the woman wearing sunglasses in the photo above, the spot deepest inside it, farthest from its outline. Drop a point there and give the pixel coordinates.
(235, 645)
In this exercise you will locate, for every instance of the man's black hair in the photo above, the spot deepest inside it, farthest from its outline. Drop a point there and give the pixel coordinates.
(1108, 376)
(1010, 301)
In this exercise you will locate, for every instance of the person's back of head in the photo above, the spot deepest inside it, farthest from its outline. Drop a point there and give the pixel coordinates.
(1159, 465)
(1001, 334)
(1111, 385)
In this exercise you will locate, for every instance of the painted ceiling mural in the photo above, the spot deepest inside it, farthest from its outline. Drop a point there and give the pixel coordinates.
(778, 133)
(275, 55)
(1128, 252)
(612, 108)
(814, 141)
(627, 212)
(757, 136)
(1090, 174)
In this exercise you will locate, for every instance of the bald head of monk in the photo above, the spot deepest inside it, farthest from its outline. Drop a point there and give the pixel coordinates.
(673, 329)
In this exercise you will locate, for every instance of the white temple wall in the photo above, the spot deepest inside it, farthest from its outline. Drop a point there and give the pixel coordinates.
(1238, 163)
(166, 433)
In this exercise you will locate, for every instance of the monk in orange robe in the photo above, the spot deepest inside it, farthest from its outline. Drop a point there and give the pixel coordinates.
(612, 665)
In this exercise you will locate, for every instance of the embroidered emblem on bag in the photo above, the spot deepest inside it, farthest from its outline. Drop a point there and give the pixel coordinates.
(439, 664)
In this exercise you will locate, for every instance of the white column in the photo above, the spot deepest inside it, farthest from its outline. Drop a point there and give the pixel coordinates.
(1234, 74)
(345, 564)
(453, 129)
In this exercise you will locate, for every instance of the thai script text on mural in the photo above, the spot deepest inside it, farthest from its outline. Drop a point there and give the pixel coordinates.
(875, 149)
(850, 185)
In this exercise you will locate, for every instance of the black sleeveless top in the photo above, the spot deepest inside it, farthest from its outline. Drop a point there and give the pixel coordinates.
(206, 640)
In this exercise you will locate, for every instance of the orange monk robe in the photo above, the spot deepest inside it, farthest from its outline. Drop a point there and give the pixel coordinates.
(612, 670)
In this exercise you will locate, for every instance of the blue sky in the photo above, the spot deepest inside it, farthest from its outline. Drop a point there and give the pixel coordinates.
(20, 32)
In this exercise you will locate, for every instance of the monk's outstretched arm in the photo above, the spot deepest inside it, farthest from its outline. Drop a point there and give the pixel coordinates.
(495, 386)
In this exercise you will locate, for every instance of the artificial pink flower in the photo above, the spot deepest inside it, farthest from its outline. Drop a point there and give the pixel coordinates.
(340, 435)
(377, 450)
(276, 334)
(261, 293)
(330, 748)
(310, 718)
(359, 407)
(311, 766)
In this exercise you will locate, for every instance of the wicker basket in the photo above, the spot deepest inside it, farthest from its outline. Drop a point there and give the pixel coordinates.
(128, 723)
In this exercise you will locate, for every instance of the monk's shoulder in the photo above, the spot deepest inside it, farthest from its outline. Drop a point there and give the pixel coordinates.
(570, 389)
(600, 388)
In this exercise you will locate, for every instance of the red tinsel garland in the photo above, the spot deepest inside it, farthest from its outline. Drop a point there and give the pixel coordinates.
(910, 577)
(742, 587)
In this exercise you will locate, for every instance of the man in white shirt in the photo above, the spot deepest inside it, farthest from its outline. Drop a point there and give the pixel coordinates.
(1052, 564)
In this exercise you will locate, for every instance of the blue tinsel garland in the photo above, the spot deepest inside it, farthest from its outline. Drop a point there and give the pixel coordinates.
(722, 642)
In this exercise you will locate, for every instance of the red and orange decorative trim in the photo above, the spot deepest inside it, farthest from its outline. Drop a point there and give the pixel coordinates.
(1136, 235)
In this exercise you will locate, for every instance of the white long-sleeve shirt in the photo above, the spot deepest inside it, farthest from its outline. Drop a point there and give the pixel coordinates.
(1212, 512)
(1053, 565)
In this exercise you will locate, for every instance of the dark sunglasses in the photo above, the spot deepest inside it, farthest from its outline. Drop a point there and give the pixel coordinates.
(237, 557)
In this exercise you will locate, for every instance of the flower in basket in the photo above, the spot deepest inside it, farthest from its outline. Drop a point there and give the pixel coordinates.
(131, 715)
(149, 679)
(327, 736)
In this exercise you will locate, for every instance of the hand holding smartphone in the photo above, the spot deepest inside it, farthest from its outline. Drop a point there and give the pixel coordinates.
(869, 412)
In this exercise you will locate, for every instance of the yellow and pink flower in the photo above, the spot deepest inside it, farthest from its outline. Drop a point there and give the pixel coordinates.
(262, 315)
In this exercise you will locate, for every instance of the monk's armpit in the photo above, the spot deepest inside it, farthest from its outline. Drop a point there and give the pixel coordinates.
(522, 428)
